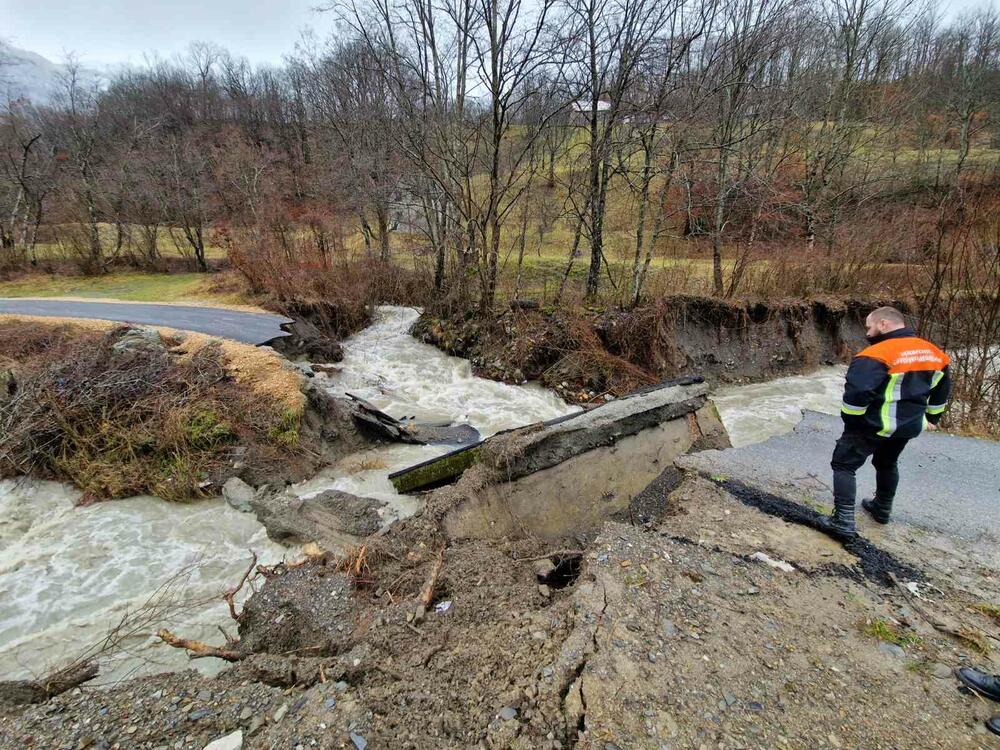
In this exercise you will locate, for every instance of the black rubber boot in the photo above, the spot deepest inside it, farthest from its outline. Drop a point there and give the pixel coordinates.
(879, 510)
(840, 525)
(993, 724)
(986, 685)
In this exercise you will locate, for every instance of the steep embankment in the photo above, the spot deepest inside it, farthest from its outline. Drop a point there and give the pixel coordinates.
(587, 356)
(120, 411)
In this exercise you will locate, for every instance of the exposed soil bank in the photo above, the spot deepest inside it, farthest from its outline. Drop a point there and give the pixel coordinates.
(672, 633)
(586, 356)
(318, 327)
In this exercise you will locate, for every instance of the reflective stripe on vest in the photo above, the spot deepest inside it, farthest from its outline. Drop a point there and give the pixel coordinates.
(936, 408)
(893, 394)
(847, 408)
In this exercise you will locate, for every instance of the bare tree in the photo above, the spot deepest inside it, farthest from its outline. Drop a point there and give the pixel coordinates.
(26, 179)
(350, 97)
(745, 67)
(610, 41)
(847, 106)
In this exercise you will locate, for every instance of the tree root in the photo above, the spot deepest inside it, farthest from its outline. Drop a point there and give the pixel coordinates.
(200, 650)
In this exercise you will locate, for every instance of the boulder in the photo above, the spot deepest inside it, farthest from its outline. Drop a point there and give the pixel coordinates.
(238, 494)
(139, 341)
(330, 518)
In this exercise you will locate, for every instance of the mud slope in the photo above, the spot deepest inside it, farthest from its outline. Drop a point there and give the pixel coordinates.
(586, 356)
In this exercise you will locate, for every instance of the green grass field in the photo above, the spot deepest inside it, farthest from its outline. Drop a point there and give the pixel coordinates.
(133, 287)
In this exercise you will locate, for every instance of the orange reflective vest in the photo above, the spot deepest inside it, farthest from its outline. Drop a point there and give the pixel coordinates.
(895, 385)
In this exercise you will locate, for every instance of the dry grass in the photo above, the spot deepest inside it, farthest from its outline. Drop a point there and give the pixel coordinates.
(261, 371)
(157, 419)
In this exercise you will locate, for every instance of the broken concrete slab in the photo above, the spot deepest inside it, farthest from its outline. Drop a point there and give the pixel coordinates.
(558, 440)
(568, 476)
(380, 425)
(435, 472)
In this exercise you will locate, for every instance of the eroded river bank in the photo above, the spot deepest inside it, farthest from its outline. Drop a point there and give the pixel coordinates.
(703, 624)
(67, 574)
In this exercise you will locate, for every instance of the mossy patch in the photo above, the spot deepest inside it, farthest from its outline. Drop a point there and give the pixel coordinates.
(889, 632)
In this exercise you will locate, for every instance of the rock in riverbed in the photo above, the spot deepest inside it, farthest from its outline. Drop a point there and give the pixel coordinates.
(238, 494)
(329, 518)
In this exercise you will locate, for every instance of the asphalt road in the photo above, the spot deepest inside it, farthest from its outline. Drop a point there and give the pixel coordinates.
(947, 484)
(248, 327)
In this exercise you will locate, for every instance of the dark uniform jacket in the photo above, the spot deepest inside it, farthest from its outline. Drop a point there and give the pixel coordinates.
(895, 386)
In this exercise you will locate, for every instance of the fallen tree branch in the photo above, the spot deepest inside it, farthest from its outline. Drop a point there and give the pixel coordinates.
(22, 692)
(230, 595)
(198, 649)
(427, 593)
(938, 622)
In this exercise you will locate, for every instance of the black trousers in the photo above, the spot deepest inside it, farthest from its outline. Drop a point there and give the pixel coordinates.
(850, 454)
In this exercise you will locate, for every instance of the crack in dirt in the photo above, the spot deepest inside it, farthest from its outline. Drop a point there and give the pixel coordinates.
(575, 677)
(874, 564)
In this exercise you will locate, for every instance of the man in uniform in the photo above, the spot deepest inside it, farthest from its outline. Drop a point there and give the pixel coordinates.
(894, 388)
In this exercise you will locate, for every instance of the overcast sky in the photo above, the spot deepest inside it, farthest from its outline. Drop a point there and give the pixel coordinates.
(120, 31)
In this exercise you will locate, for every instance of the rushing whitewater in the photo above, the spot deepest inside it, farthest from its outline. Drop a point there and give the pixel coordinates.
(406, 378)
(68, 574)
(754, 413)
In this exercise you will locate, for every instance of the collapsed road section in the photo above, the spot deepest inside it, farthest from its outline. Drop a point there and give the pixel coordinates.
(568, 475)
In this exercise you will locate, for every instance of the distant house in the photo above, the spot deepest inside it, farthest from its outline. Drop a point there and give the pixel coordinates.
(583, 105)
(580, 110)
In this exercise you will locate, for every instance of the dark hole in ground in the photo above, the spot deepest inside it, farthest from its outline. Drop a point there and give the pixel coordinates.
(565, 572)
(873, 563)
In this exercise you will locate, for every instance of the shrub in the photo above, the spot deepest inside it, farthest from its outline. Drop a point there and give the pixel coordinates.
(119, 420)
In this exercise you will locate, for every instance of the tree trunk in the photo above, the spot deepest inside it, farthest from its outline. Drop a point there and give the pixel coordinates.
(640, 224)
(569, 264)
(522, 241)
(661, 199)
(596, 220)
(383, 234)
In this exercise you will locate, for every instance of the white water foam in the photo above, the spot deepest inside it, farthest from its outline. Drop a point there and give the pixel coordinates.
(406, 378)
(68, 574)
(754, 413)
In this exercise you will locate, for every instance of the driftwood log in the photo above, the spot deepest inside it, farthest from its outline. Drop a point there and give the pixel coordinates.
(23, 692)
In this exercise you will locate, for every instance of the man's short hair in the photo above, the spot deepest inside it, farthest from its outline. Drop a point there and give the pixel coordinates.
(888, 313)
